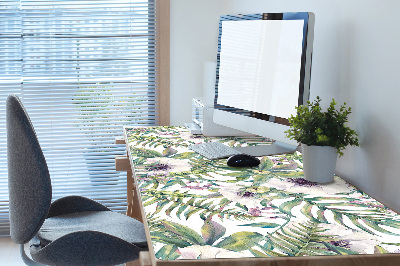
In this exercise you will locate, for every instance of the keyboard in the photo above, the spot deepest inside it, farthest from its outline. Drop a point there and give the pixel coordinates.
(214, 150)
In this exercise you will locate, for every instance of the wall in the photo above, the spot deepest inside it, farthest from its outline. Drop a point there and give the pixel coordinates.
(194, 41)
(355, 60)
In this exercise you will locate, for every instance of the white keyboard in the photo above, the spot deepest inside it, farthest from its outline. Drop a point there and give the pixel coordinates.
(214, 150)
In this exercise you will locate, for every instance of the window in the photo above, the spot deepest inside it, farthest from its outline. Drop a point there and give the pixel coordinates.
(82, 69)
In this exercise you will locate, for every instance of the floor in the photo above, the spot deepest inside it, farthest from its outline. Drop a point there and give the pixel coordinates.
(9, 253)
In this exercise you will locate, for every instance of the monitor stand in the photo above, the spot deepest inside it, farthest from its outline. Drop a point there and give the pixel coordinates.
(271, 149)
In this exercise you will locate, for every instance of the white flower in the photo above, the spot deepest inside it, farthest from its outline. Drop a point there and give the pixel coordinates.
(337, 186)
(172, 165)
(189, 253)
(232, 192)
(359, 241)
(207, 252)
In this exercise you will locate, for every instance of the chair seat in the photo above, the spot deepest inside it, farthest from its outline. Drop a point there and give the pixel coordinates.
(108, 222)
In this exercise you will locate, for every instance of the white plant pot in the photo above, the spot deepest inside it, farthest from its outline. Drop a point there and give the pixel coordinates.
(319, 163)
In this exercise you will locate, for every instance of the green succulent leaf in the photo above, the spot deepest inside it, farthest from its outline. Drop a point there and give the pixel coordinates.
(262, 225)
(379, 249)
(265, 164)
(212, 231)
(183, 232)
(144, 153)
(287, 206)
(184, 155)
(240, 241)
(163, 238)
(168, 252)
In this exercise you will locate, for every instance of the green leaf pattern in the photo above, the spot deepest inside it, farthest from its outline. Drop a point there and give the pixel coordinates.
(198, 208)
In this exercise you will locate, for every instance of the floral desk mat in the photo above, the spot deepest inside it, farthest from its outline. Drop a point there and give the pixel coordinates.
(198, 208)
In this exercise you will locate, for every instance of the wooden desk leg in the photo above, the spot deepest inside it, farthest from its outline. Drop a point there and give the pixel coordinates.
(133, 199)
(133, 210)
(129, 193)
(144, 260)
(133, 263)
(122, 163)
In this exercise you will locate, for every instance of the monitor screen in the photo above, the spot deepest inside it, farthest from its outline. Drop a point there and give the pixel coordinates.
(260, 63)
(263, 71)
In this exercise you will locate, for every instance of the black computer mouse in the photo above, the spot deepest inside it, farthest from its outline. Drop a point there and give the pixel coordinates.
(242, 160)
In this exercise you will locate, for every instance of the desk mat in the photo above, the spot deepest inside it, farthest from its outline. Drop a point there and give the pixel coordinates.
(198, 208)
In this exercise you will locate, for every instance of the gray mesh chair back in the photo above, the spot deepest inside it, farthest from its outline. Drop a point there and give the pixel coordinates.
(72, 230)
(28, 176)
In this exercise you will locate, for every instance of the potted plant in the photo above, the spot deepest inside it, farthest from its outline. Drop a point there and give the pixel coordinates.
(323, 135)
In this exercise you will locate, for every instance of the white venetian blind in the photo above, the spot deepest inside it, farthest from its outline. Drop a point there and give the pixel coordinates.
(82, 69)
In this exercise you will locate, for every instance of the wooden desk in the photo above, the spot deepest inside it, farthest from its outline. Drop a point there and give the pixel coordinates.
(203, 212)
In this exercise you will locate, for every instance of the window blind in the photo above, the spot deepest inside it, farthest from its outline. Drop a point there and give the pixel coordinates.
(83, 69)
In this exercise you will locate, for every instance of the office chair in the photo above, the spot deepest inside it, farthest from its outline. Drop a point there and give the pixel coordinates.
(70, 231)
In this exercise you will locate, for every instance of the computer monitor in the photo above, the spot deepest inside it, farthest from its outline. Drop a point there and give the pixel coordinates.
(263, 73)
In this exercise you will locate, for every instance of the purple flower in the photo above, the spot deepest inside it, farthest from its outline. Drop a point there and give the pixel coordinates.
(158, 167)
(151, 175)
(302, 182)
(340, 243)
(245, 194)
(198, 187)
(255, 211)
